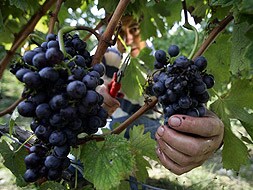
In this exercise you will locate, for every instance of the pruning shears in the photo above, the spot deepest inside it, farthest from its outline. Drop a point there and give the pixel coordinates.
(115, 85)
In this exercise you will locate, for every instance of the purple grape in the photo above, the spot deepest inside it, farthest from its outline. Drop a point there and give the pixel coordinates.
(76, 89)
(201, 63)
(173, 50)
(160, 56)
(26, 109)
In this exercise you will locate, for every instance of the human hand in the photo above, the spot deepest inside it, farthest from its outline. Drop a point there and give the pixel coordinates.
(189, 141)
(110, 104)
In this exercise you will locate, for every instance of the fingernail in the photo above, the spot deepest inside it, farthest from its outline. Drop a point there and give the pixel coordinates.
(175, 121)
(160, 131)
(159, 151)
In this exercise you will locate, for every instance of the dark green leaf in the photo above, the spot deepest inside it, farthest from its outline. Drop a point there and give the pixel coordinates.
(14, 161)
(234, 153)
(240, 43)
(248, 126)
(246, 7)
(51, 185)
(232, 143)
(25, 5)
(1, 21)
(223, 3)
(218, 57)
(240, 95)
(107, 163)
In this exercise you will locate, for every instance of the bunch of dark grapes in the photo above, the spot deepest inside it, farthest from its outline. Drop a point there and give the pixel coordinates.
(60, 98)
(181, 86)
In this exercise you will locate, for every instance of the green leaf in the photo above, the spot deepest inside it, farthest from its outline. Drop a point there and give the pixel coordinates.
(248, 126)
(148, 29)
(218, 57)
(107, 163)
(133, 80)
(142, 145)
(51, 185)
(1, 22)
(235, 152)
(13, 118)
(25, 5)
(222, 3)
(14, 161)
(240, 95)
(148, 59)
(232, 143)
(239, 63)
(246, 7)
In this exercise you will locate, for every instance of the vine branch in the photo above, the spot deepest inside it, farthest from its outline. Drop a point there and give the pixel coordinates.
(102, 22)
(11, 107)
(105, 39)
(213, 34)
(24, 33)
(54, 16)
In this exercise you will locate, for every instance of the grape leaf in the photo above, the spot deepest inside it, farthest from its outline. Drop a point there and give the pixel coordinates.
(132, 80)
(107, 163)
(240, 95)
(148, 29)
(51, 185)
(246, 7)
(14, 161)
(148, 59)
(223, 3)
(218, 57)
(25, 5)
(142, 145)
(232, 143)
(239, 45)
(1, 22)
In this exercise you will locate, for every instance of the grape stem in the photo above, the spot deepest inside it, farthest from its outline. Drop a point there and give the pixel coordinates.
(23, 144)
(190, 27)
(67, 29)
(33, 38)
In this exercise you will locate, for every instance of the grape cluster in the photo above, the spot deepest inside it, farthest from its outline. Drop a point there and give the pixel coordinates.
(181, 86)
(60, 98)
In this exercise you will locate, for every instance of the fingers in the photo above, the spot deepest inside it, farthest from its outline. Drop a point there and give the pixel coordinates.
(175, 167)
(184, 143)
(179, 157)
(110, 104)
(202, 126)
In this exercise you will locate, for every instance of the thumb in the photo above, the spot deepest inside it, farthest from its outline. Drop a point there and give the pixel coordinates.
(203, 126)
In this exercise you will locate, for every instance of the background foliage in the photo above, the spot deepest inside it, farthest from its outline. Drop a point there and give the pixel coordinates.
(229, 60)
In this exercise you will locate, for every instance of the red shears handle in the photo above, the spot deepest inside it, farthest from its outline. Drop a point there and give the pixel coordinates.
(114, 86)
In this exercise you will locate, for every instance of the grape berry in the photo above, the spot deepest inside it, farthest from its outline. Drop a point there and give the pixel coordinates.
(181, 86)
(60, 96)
